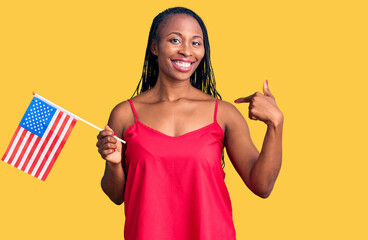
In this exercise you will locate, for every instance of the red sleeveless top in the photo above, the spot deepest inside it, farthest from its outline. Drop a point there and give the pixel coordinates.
(175, 188)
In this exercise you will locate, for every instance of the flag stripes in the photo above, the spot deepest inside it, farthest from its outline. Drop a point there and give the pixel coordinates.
(32, 147)
(27, 141)
(56, 151)
(19, 151)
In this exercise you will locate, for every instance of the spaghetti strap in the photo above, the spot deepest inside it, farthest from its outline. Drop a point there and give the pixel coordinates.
(135, 113)
(215, 117)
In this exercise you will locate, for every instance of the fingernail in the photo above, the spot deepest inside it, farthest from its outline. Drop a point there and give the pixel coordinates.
(236, 101)
(267, 82)
(114, 150)
(114, 134)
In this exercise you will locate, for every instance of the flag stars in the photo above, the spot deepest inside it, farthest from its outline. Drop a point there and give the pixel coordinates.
(38, 116)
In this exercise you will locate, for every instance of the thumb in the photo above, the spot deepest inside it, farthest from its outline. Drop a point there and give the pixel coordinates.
(109, 129)
(266, 90)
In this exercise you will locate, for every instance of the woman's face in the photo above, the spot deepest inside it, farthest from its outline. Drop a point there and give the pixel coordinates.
(180, 48)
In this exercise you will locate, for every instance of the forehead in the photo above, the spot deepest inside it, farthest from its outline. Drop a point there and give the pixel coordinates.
(182, 23)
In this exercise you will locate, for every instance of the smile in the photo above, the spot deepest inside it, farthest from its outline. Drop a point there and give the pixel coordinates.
(183, 66)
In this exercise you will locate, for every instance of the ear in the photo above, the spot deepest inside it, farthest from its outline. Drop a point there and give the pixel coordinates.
(154, 48)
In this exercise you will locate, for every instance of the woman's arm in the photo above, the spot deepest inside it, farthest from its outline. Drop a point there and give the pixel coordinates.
(113, 180)
(257, 170)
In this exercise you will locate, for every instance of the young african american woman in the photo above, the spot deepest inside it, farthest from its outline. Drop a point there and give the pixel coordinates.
(169, 174)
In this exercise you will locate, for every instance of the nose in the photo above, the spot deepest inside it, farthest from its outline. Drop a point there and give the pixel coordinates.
(185, 50)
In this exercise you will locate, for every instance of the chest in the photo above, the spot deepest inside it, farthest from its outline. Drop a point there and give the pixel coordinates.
(175, 120)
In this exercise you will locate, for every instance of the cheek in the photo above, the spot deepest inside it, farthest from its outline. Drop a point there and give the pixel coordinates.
(200, 52)
(165, 52)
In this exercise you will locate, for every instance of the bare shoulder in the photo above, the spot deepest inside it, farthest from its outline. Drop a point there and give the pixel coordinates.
(229, 115)
(120, 110)
(227, 110)
(121, 117)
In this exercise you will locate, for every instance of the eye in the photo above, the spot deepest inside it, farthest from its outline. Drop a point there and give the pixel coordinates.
(174, 40)
(195, 43)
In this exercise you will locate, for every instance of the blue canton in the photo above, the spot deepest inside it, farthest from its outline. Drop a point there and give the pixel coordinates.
(37, 117)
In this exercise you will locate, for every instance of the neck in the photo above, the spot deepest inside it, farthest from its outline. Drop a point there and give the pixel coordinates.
(172, 90)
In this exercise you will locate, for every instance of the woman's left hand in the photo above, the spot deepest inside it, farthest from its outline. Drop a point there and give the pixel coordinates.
(263, 106)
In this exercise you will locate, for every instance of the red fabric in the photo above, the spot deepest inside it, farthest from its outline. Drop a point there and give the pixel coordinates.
(175, 188)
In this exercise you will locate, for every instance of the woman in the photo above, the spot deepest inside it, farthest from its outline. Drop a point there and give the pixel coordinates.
(169, 172)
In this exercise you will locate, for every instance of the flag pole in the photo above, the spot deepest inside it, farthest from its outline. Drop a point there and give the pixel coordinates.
(75, 116)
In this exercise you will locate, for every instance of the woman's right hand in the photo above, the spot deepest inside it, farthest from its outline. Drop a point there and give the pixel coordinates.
(108, 146)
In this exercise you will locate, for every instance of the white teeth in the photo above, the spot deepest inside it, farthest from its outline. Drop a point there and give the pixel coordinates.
(182, 64)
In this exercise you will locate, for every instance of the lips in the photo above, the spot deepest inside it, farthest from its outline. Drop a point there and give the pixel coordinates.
(183, 65)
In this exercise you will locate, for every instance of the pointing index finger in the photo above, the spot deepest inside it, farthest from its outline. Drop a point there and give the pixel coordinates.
(245, 99)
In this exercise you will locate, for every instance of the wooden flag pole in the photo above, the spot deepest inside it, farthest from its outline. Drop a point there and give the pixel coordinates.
(75, 116)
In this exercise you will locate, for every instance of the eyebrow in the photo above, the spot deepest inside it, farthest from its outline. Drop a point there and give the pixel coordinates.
(178, 33)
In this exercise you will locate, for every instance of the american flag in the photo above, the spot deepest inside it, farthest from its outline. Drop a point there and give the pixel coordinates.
(39, 138)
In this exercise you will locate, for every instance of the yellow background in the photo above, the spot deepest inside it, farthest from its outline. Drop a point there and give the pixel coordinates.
(87, 56)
